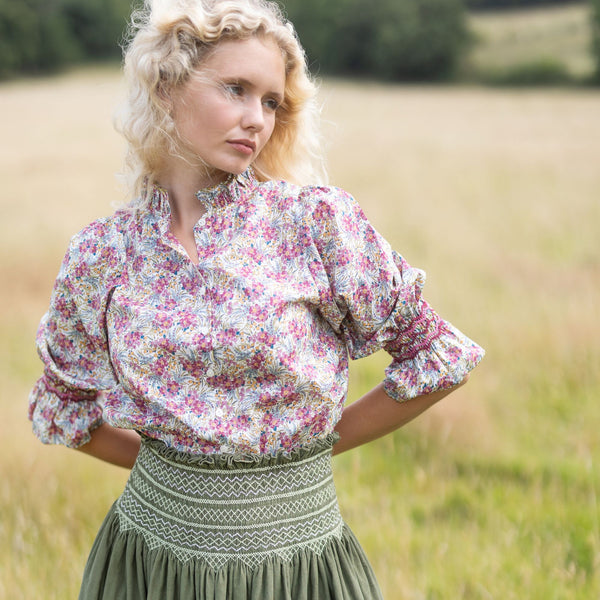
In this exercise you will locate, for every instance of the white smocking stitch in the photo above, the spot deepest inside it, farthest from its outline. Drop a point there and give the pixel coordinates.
(220, 516)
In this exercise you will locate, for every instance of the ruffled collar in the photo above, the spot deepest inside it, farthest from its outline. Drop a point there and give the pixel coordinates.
(228, 191)
(214, 197)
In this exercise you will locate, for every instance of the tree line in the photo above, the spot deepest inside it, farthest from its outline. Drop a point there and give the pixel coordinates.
(40, 36)
(395, 40)
(495, 4)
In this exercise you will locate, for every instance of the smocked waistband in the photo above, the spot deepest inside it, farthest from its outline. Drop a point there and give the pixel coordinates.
(222, 508)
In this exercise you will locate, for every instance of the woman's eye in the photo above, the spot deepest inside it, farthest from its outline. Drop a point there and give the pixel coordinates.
(272, 104)
(234, 89)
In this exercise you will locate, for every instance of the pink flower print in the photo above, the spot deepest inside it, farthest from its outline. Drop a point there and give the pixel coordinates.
(161, 367)
(325, 296)
(227, 337)
(257, 290)
(171, 264)
(226, 382)
(138, 263)
(289, 250)
(370, 235)
(168, 304)
(269, 233)
(168, 345)
(266, 378)
(202, 342)
(218, 223)
(132, 339)
(171, 387)
(350, 225)
(264, 337)
(206, 251)
(219, 296)
(87, 365)
(109, 257)
(366, 263)
(323, 212)
(196, 369)
(65, 307)
(163, 327)
(343, 257)
(267, 399)
(285, 203)
(256, 362)
(364, 295)
(160, 285)
(297, 329)
(163, 320)
(89, 246)
(188, 284)
(258, 313)
(255, 254)
(288, 358)
(304, 238)
(186, 320)
(267, 418)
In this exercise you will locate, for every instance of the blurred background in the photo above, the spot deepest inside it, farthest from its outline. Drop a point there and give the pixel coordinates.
(470, 134)
(492, 41)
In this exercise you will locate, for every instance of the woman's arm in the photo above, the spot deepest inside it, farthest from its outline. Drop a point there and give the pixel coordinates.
(376, 414)
(117, 446)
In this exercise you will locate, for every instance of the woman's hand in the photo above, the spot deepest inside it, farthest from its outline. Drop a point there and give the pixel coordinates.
(376, 414)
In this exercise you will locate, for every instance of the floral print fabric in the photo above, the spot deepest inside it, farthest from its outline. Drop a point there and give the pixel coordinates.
(247, 351)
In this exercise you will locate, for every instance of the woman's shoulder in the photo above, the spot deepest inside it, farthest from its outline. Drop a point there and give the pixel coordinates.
(306, 198)
(107, 230)
(102, 243)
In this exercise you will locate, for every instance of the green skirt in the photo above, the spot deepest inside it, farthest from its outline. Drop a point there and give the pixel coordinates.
(228, 527)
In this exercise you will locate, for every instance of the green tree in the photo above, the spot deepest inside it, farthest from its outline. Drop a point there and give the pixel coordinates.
(45, 35)
(33, 37)
(595, 26)
(411, 39)
(97, 25)
(495, 4)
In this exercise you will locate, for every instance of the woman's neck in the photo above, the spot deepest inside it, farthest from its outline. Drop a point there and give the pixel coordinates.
(181, 186)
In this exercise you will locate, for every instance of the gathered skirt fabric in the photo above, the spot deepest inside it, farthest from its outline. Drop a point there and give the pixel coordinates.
(228, 527)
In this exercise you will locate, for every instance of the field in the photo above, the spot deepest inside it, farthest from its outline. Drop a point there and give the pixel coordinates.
(491, 495)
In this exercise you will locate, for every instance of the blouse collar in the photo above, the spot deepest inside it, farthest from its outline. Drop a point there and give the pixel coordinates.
(214, 197)
(226, 192)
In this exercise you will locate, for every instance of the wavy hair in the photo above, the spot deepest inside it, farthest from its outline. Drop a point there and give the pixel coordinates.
(169, 40)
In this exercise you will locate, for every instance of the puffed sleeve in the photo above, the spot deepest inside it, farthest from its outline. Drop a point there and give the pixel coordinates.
(374, 300)
(73, 346)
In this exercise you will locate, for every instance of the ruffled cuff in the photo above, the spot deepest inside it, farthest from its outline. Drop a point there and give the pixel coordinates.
(440, 363)
(60, 416)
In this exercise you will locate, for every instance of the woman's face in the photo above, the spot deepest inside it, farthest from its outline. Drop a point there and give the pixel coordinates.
(225, 113)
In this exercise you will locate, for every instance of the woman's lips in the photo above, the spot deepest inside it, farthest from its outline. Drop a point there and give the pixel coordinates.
(243, 146)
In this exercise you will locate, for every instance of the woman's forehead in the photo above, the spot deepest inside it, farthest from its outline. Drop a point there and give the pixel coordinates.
(257, 60)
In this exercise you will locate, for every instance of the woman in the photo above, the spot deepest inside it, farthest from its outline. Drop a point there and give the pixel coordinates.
(214, 317)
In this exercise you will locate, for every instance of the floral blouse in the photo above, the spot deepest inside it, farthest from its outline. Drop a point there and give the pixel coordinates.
(246, 351)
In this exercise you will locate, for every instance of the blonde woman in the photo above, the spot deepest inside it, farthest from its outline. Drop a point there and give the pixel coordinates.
(201, 335)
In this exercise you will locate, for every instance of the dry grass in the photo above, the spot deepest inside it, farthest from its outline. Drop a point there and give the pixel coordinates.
(495, 194)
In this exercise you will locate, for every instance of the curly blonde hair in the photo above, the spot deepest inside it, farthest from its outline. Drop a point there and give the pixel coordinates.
(169, 41)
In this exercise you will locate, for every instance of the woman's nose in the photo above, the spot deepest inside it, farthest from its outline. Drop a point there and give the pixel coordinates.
(253, 117)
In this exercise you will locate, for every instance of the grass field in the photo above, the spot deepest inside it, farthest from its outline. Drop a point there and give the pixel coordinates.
(505, 40)
(494, 493)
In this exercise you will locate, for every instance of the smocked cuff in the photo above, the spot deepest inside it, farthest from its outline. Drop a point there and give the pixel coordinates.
(438, 364)
(61, 417)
